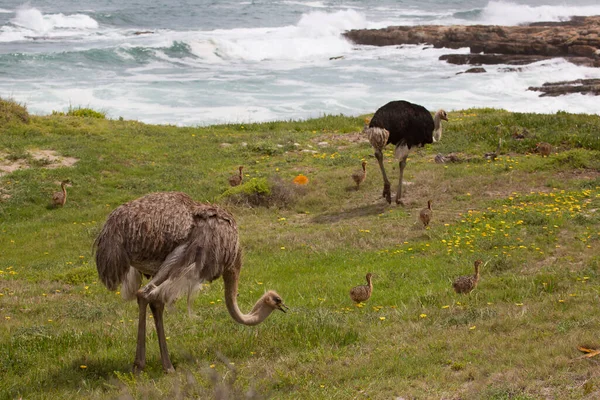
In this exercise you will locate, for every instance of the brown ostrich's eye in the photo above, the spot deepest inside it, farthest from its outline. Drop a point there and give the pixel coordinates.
(277, 300)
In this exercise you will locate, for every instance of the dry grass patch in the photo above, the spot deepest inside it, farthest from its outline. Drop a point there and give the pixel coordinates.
(341, 141)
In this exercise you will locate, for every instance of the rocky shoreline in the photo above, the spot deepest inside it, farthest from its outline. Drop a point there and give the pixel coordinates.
(576, 40)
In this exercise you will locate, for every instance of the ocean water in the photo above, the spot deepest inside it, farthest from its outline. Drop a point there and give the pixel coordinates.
(228, 61)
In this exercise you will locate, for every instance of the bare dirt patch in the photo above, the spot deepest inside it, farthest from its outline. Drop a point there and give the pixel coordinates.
(54, 160)
(341, 140)
(7, 166)
(49, 159)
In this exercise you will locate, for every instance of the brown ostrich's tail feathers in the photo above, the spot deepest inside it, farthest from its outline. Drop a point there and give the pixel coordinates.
(177, 275)
(112, 260)
(213, 249)
(174, 287)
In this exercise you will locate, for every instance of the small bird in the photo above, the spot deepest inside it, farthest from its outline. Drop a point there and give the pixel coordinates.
(544, 149)
(492, 155)
(236, 180)
(425, 214)
(59, 198)
(359, 176)
(452, 157)
(441, 159)
(362, 292)
(520, 135)
(464, 284)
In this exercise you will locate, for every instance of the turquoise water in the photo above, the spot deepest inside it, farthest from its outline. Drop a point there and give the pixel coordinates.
(203, 62)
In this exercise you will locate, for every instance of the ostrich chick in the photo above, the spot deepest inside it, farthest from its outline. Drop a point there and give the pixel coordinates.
(464, 284)
(425, 214)
(544, 149)
(59, 198)
(236, 180)
(359, 176)
(362, 292)
(494, 154)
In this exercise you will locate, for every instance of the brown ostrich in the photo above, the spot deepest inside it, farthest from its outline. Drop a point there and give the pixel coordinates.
(359, 176)
(236, 180)
(59, 198)
(425, 214)
(178, 243)
(464, 284)
(544, 149)
(362, 292)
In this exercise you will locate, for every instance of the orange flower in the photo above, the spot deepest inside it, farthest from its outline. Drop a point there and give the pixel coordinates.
(301, 180)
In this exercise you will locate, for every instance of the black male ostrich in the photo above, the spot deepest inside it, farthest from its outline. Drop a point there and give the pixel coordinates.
(406, 125)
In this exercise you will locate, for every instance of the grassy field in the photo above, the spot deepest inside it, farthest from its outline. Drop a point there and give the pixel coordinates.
(533, 220)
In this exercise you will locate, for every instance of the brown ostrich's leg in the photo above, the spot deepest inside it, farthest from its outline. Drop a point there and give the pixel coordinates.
(140, 353)
(402, 154)
(386, 183)
(157, 309)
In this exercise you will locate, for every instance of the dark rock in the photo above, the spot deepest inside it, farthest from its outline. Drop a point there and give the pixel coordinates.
(475, 70)
(491, 59)
(510, 69)
(578, 40)
(583, 86)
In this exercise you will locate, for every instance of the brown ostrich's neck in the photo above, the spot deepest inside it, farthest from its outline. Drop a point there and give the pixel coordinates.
(64, 191)
(258, 313)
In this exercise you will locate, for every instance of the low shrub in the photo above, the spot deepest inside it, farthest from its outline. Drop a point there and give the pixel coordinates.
(10, 111)
(81, 112)
(262, 192)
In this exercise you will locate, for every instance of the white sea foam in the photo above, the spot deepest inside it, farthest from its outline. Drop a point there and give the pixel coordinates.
(314, 4)
(31, 23)
(33, 19)
(508, 13)
(5, 11)
(316, 35)
(496, 12)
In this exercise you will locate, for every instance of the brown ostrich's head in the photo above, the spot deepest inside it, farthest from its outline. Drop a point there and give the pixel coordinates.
(274, 301)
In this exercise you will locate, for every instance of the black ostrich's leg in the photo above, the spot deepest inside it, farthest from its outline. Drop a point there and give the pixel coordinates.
(402, 154)
(386, 183)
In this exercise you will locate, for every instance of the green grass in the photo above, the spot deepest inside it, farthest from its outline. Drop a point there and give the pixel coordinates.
(533, 220)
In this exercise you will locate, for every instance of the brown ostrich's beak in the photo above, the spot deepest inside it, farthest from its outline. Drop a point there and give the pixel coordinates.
(282, 307)
(445, 117)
